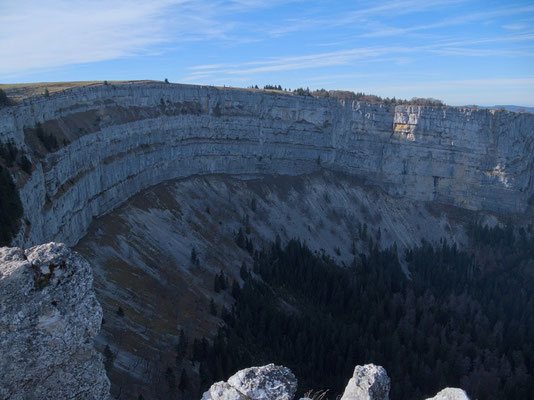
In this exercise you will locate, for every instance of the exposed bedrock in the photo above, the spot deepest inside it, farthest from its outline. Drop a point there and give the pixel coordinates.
(49, 316)
(260, 383)
(113, 141)
(369, 382)
(272, 382)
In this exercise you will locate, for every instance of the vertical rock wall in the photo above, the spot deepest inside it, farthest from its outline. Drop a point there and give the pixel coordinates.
(115, 140)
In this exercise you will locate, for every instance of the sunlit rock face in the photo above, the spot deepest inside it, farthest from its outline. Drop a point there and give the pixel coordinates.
(270, 382)
(450, 394)
(49, 316)
(116, 140)
(369, 382)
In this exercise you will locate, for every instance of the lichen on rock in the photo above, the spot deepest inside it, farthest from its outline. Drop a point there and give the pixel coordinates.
(369, 382)
(48, 317)
(269, 382)
(450, 394)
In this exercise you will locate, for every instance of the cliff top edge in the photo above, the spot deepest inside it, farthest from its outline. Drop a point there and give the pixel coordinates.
(27, 91)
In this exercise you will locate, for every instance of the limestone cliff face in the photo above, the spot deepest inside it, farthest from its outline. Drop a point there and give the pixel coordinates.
(116, 140)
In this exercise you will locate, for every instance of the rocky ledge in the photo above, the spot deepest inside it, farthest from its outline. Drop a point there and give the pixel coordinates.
(272, 382)
(48, 317)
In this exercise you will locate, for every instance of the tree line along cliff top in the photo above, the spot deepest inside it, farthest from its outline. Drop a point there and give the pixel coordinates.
(10, 94)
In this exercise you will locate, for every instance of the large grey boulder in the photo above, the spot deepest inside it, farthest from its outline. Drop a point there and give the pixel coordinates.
(369, 382)
(450, 394)
(48, 317)
(270, 382)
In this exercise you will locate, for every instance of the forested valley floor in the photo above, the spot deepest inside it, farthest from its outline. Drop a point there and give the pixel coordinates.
(464, 319)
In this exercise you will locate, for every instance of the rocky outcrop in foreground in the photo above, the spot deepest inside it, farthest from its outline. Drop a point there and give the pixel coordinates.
(369, 382)
(261, 383)
(48, 318)
(450, 394)
(272, 382)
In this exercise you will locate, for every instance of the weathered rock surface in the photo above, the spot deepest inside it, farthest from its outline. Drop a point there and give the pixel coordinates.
(270, 382)
(117, 140)
(369, 382)
(450, 394)
(48, 318)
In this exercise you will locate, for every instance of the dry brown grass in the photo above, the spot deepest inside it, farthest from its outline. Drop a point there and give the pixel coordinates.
(318, 395)
(19, 91)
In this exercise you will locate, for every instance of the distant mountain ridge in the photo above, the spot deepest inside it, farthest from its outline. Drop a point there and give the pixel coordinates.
(515, 108)
(508, 108)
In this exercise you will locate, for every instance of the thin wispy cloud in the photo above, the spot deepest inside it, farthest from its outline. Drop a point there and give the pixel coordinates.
(333, 58)
(391, 9)
(333, 44)
(49, 34)
(347, 56)
(515, 27)
(448, 22)
(43, 34)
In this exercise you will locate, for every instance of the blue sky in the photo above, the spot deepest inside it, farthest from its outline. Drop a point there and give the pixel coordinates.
(460, 51)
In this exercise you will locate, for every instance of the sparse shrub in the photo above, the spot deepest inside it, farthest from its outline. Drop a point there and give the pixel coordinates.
(109, 358)
(271, 87)
(10, 207)
(220, 282)
(8, 152)
(213, 308)
(428, 101)
(217, 110)
(48, 140)
(184, 381)
(181, 347)
(236, 290)
(194, 257)
(4, 100)
(25, 164)
(243, 271)
(347, 95)
(321, 93)
(316, 395)
(302, 92)
(170, 378)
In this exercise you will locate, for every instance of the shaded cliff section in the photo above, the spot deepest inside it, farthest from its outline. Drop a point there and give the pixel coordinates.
(151, 287)
(92, 148)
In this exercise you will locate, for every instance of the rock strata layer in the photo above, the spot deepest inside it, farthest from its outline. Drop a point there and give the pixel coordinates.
(113, 141)
(48, 318)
